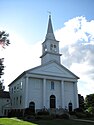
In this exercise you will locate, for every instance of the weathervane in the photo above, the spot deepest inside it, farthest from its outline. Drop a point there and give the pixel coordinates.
(49, 12)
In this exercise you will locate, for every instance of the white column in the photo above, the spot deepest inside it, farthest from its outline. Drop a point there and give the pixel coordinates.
(26, 93)
(62, 94)
(44, 92)
(76, 95)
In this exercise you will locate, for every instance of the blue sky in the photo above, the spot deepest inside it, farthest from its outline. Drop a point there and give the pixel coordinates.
(73, 23)
(29, 17)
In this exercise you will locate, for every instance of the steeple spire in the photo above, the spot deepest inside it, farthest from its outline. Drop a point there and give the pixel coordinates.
(50, 34)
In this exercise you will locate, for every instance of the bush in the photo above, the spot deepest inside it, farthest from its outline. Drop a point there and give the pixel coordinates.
(78, 110)
(43, 117)
(89, 115)
(43, 113)
(28, 111)
(80, 115)
(91, 110)
(72, 113)
(64, 116)
(29, 118)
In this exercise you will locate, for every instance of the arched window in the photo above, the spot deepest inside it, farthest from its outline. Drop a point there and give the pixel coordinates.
(52, 101)
(54, 46)
(45, 48)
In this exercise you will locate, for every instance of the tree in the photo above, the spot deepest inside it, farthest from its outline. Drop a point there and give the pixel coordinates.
(4, 41)
(81, 102)
(1, 86)
(89, 102)
(1, 66)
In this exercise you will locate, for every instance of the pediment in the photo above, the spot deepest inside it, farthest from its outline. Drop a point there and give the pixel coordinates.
(53, 69)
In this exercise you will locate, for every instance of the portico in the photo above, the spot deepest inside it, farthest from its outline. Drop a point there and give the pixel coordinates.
(54, 88)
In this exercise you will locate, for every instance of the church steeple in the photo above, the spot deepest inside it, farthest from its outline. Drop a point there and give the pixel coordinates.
(50, 47)
(50, 34)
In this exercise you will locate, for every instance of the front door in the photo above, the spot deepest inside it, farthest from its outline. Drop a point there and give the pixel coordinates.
(70, 107)
(52, 101)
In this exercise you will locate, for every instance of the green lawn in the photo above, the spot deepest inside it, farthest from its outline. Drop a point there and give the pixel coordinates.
(14, 121)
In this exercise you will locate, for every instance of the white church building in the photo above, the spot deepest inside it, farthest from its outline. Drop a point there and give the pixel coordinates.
(50, 85)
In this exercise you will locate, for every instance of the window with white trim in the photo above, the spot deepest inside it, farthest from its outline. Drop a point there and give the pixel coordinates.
(52, 85)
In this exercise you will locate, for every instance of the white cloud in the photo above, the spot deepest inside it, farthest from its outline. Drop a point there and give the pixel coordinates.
(77, 46)
(76, 29)
(85, 83)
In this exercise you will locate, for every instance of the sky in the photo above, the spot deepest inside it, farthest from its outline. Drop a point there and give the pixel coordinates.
(26, 22)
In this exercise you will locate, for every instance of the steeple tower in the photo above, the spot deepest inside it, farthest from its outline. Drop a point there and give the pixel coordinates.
(50, 47)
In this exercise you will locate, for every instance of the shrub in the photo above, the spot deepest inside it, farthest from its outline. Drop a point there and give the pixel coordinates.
(28, 111)
(43, 113)
(72, 113)
(81, 115)
(91, 110)
(64, 116)
(89, 115)
(29, 118)
(78, 110)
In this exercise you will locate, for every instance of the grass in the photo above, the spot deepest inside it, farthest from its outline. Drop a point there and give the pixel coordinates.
(14, 121)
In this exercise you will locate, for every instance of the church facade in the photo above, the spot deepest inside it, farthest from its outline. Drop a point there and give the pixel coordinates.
(50, 85)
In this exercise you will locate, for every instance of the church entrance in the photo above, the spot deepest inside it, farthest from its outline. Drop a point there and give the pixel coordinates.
(70, 107)
(32, 107)
(52, 101)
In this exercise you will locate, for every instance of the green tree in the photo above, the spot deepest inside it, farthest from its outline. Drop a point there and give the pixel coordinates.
(89, 100)
(81, 102)
(4, 41)
(89, 103)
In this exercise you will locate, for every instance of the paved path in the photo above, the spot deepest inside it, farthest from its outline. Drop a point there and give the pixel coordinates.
(83, 120)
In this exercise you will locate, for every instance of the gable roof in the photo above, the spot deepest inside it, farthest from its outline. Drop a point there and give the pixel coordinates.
(21, 75)
(53, 68)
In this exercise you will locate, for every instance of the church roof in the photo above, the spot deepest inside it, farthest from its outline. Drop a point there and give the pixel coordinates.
(50, 33)
(53, 68)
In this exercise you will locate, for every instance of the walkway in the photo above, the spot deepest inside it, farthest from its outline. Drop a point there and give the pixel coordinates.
(83, 120)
